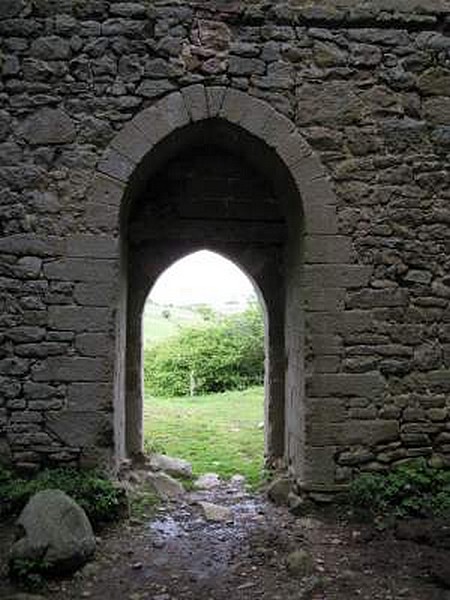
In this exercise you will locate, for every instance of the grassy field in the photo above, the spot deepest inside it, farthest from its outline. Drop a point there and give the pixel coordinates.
(157, 327)
(217, 433)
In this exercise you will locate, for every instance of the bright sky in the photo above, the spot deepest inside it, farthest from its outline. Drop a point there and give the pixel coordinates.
(203, 277)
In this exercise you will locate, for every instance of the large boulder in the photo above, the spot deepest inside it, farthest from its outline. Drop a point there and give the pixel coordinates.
(58, 536)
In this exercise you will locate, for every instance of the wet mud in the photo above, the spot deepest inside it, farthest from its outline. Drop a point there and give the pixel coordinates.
(180, 555)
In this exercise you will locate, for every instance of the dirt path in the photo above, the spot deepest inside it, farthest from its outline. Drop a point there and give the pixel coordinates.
(179, 555)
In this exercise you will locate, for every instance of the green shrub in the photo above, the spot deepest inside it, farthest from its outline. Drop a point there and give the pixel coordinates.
(226, 353)
(93, 491)
(411, 490)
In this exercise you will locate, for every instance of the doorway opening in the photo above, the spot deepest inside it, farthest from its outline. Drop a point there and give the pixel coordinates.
(203, 360)
(212, 185)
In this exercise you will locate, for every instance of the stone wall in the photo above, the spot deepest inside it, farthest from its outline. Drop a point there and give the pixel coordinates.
(367, 88)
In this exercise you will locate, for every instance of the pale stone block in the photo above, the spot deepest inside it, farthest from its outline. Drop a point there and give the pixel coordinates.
(94, 246)
(105, 190)
(79, 318)
(88, 397)
(96, 294)
(364, 385)
(160, 120)
(363, 432)
(319, 218)
(79, 269)
(214, 99)
(196, 103)
(327, 249)
(79, 429)
(72, 368)
(323, 299)
(132, 143)
(116, 165)
(319, 466)
(349, 276)
(31, 245)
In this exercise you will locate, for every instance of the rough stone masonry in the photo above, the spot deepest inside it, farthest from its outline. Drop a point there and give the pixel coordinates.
(307, 140)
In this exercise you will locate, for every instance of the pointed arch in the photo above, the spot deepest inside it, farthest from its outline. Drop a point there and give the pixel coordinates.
(270, 142)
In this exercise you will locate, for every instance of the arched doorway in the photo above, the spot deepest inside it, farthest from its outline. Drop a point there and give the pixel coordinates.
(308, 244)
(208, 192)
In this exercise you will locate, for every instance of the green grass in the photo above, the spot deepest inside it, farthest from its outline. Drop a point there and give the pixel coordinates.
(217, 433)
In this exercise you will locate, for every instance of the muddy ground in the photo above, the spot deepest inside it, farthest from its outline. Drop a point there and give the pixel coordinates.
(178, 555)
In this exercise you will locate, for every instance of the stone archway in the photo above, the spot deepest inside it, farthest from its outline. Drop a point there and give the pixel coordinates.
(273, 146)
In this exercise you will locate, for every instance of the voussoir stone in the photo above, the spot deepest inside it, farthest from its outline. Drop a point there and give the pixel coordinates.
(49, 126)
(57, 533)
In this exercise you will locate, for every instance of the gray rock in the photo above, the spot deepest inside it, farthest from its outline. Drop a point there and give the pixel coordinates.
(49, 126)
(50, 48)
(172, 466)
(298, 505)
(238, 480)
(279, 490)
(216, 512)
(10, 8)
(435, 82)
(165, 486)
(441, 137)
(29, 267)
(57, 533)
(127, 9)
(153, 89)
(25, 597)
(207, 481)
(246, 66)
(5, 454)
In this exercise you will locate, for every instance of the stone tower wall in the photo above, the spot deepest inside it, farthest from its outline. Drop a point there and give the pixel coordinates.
(367, 88)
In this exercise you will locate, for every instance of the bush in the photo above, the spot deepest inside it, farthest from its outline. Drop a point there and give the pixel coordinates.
(225, 354)
(93, 491)
(411, 490)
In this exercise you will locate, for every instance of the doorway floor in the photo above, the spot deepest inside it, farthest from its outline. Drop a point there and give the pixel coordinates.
(180, 555)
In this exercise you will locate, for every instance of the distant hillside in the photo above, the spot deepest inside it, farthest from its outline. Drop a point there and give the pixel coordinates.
(161, 322)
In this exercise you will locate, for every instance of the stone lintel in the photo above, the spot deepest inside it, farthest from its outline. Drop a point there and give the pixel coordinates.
(196, 102)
